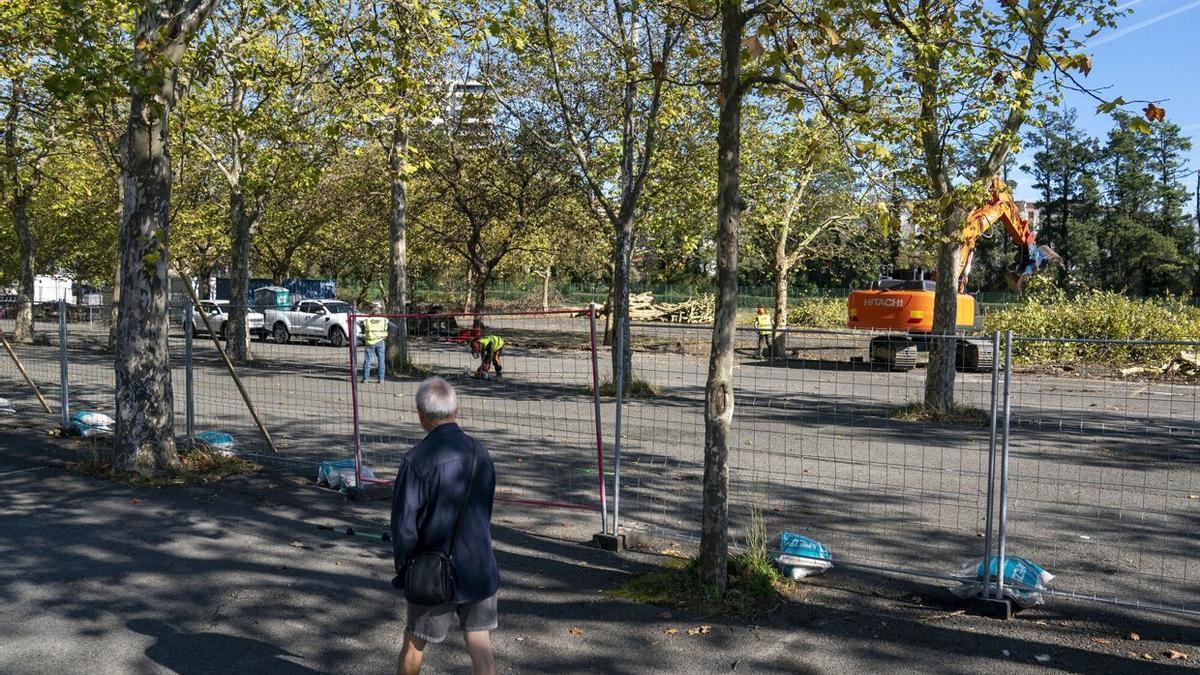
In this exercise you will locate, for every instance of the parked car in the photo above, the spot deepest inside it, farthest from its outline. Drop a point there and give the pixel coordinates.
(312, 320)
(218, 316)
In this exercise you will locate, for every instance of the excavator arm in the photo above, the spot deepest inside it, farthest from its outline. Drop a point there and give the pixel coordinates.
(1000, 208)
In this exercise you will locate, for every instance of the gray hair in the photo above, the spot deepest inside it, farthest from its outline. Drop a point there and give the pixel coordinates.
(436, 399)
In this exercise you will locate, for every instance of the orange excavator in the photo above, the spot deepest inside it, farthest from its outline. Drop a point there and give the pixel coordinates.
(905, 308)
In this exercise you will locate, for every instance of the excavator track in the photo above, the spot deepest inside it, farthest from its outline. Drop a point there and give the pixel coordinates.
(895, 353)
(974, 355)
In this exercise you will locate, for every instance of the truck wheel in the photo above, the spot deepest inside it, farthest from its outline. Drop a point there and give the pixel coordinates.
(336, 337)
(225, 331)
(281, 334)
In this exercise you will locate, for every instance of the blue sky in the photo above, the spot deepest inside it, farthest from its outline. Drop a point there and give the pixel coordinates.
(1153, 54)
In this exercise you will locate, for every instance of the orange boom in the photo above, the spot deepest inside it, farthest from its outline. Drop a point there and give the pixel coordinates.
(906, 307)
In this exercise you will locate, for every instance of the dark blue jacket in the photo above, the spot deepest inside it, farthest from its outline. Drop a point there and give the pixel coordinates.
(430, 485)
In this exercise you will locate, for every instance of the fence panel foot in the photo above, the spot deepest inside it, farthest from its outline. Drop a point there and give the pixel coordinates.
(609, 542)
(992, 608)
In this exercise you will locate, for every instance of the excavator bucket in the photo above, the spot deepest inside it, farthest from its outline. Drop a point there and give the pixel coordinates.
(1037, 260)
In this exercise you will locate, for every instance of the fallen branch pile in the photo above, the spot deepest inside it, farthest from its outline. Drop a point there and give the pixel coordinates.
(1183, 363)
(697, 310)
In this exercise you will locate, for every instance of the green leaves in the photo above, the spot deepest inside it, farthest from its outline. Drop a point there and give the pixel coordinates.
(1110, 106)
(1079, 62)
(888, 222)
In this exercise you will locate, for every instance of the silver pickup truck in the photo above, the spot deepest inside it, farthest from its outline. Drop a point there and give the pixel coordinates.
(311, 320)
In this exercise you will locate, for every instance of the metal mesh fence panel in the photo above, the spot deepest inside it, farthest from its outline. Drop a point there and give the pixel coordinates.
(296, 379)
(537, 417)
(39, 357)
(825, 442)
(1104, 470)
(90, 364)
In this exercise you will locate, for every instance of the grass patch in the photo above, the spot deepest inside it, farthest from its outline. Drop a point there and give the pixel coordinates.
(199, 464)
(755, 586)
(959, 414)
(639, 388)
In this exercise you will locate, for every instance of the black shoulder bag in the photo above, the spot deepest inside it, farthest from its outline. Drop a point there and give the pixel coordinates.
(428, 576)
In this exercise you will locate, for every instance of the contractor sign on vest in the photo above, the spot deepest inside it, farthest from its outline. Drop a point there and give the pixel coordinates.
(374, 330)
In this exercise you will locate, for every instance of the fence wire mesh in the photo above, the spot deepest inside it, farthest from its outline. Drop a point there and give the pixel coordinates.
(1104, 471)
(537, 417)
(295, 377)
(824, 441)
(38, 354)
(1104, 460)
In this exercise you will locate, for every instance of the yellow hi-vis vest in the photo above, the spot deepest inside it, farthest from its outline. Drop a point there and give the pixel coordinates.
(374, 330)
(763, 323)
(491, 343)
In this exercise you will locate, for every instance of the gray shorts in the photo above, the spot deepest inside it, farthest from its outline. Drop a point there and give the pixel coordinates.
(432, 622)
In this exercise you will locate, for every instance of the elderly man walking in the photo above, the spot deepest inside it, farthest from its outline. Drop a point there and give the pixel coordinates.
(441, 520)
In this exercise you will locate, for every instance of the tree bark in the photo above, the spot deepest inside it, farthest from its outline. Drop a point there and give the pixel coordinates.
(469, 290)
(718, 399)
(479, 290)
(609, 302)
(145, 434)
(241, 223)
(940, 375)
(19, 210)
(779, 337)
(397, 344)
(19, 193)
(546, 287)
(116, 291)
(622, 256)
(205, 274)
(238, 346)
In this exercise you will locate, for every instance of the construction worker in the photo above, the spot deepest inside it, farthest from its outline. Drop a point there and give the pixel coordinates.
(762, 321)
(487, 349)
(375, 331)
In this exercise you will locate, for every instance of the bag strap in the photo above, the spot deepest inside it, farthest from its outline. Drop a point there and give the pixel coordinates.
(466, 497)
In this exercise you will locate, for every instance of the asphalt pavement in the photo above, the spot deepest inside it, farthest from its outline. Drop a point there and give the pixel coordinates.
(1104, 486)
(236, 576)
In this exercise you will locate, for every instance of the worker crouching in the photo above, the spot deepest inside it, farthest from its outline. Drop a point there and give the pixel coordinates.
(487, 349)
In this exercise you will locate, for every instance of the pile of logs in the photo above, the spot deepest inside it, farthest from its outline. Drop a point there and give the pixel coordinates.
(697, 310)
(1183, 363)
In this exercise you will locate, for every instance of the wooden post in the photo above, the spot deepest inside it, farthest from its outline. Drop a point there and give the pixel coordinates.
(24, 374)
(228, 364)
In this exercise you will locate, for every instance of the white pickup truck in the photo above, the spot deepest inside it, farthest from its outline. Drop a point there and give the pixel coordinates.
(311, 320)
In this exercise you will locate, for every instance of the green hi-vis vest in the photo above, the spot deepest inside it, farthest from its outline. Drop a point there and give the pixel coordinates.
(491, 343)
(763, 323)
(374, 330)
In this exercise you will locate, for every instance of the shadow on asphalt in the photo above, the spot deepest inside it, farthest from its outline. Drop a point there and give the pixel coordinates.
(214, 575)
(208, 652)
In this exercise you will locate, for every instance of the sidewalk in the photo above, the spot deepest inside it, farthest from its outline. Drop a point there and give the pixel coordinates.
(236, 577)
